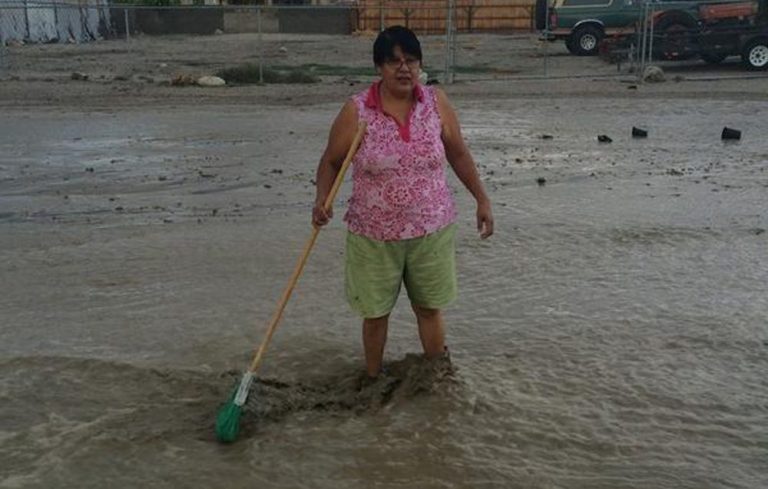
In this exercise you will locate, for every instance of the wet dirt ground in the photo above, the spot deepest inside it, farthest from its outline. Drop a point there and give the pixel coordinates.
(612, 334)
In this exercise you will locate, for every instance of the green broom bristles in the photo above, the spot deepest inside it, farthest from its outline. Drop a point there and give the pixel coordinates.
(228, 421)
(228, 417)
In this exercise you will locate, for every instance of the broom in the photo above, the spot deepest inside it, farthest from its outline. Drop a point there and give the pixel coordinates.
(228, 417)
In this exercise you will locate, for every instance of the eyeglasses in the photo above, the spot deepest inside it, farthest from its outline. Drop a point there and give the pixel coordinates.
(395, 64)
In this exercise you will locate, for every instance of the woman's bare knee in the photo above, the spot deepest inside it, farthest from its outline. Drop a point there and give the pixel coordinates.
(378, 322)
(425, 312)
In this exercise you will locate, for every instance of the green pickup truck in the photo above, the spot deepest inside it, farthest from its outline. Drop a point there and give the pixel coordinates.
(582, 24)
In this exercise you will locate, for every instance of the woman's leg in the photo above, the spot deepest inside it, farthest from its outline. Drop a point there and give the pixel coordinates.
(431, 330)
(374, 339)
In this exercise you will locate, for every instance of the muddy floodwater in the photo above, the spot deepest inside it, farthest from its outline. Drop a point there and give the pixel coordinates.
(612, 334)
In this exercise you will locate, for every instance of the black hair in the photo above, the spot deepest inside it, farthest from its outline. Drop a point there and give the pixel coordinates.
(389, 38)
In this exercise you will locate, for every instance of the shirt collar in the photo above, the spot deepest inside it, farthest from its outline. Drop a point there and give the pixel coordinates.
(373, 100)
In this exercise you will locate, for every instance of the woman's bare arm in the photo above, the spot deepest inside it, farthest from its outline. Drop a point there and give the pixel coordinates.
(339, 140)
(463, 164)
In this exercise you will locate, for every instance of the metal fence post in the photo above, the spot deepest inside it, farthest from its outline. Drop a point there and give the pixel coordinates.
(546, 39)
(26, 20)
(454, 40)
(261, 45)
(448, 79)
(643, 43)
(127, 26)
(650, 42)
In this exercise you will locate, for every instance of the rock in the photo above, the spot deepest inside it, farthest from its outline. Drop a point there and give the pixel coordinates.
(183, 80)
(541, 181)
(211, 81)
(79, 76)
(639, 133)
(653, 74)
(547, 136)
(604, 139)
(283, 49)
(218, 32)
(423, 77)
(348, 81)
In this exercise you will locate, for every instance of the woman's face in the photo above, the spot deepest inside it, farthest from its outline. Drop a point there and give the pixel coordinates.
(400, 73)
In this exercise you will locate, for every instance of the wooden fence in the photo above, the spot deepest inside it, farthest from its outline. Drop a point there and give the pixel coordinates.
(429, 16)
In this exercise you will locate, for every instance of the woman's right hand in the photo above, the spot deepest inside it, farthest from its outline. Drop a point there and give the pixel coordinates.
(320, 216)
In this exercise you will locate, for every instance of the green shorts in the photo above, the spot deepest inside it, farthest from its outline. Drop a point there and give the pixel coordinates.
(375, 270)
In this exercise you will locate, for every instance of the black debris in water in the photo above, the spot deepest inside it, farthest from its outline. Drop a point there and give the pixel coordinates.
(731, 134)
(604, 139)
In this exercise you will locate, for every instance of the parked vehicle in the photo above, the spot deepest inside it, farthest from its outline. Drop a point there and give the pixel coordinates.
(721, 30)
(582, 24)
(733, 31)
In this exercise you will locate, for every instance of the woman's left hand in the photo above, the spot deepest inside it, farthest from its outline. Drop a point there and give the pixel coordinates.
(484, 219)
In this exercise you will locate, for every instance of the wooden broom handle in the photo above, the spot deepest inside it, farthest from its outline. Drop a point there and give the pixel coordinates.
(277, 316)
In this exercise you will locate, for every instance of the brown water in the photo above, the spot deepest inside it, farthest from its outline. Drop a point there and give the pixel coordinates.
(612, 334)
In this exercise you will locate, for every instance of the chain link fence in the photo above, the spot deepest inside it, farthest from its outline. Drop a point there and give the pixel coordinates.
(42, 22)
(463, 41)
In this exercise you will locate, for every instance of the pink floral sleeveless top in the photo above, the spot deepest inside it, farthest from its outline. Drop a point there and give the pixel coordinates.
(399, 187)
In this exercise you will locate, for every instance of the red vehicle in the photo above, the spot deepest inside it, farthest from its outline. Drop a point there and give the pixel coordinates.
(736, 29)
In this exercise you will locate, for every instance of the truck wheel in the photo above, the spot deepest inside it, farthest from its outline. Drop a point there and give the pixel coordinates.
(585, 40)
(755, 54)
(676, 30)
(712, 58)
(570, 46)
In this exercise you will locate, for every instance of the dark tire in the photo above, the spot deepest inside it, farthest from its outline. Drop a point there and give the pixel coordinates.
(712, 58)
(755, 54)
(585, 40)
(541, 15)
(676, 30)
(570, 47)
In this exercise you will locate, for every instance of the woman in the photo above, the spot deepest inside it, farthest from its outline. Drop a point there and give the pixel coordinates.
(401, 214)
